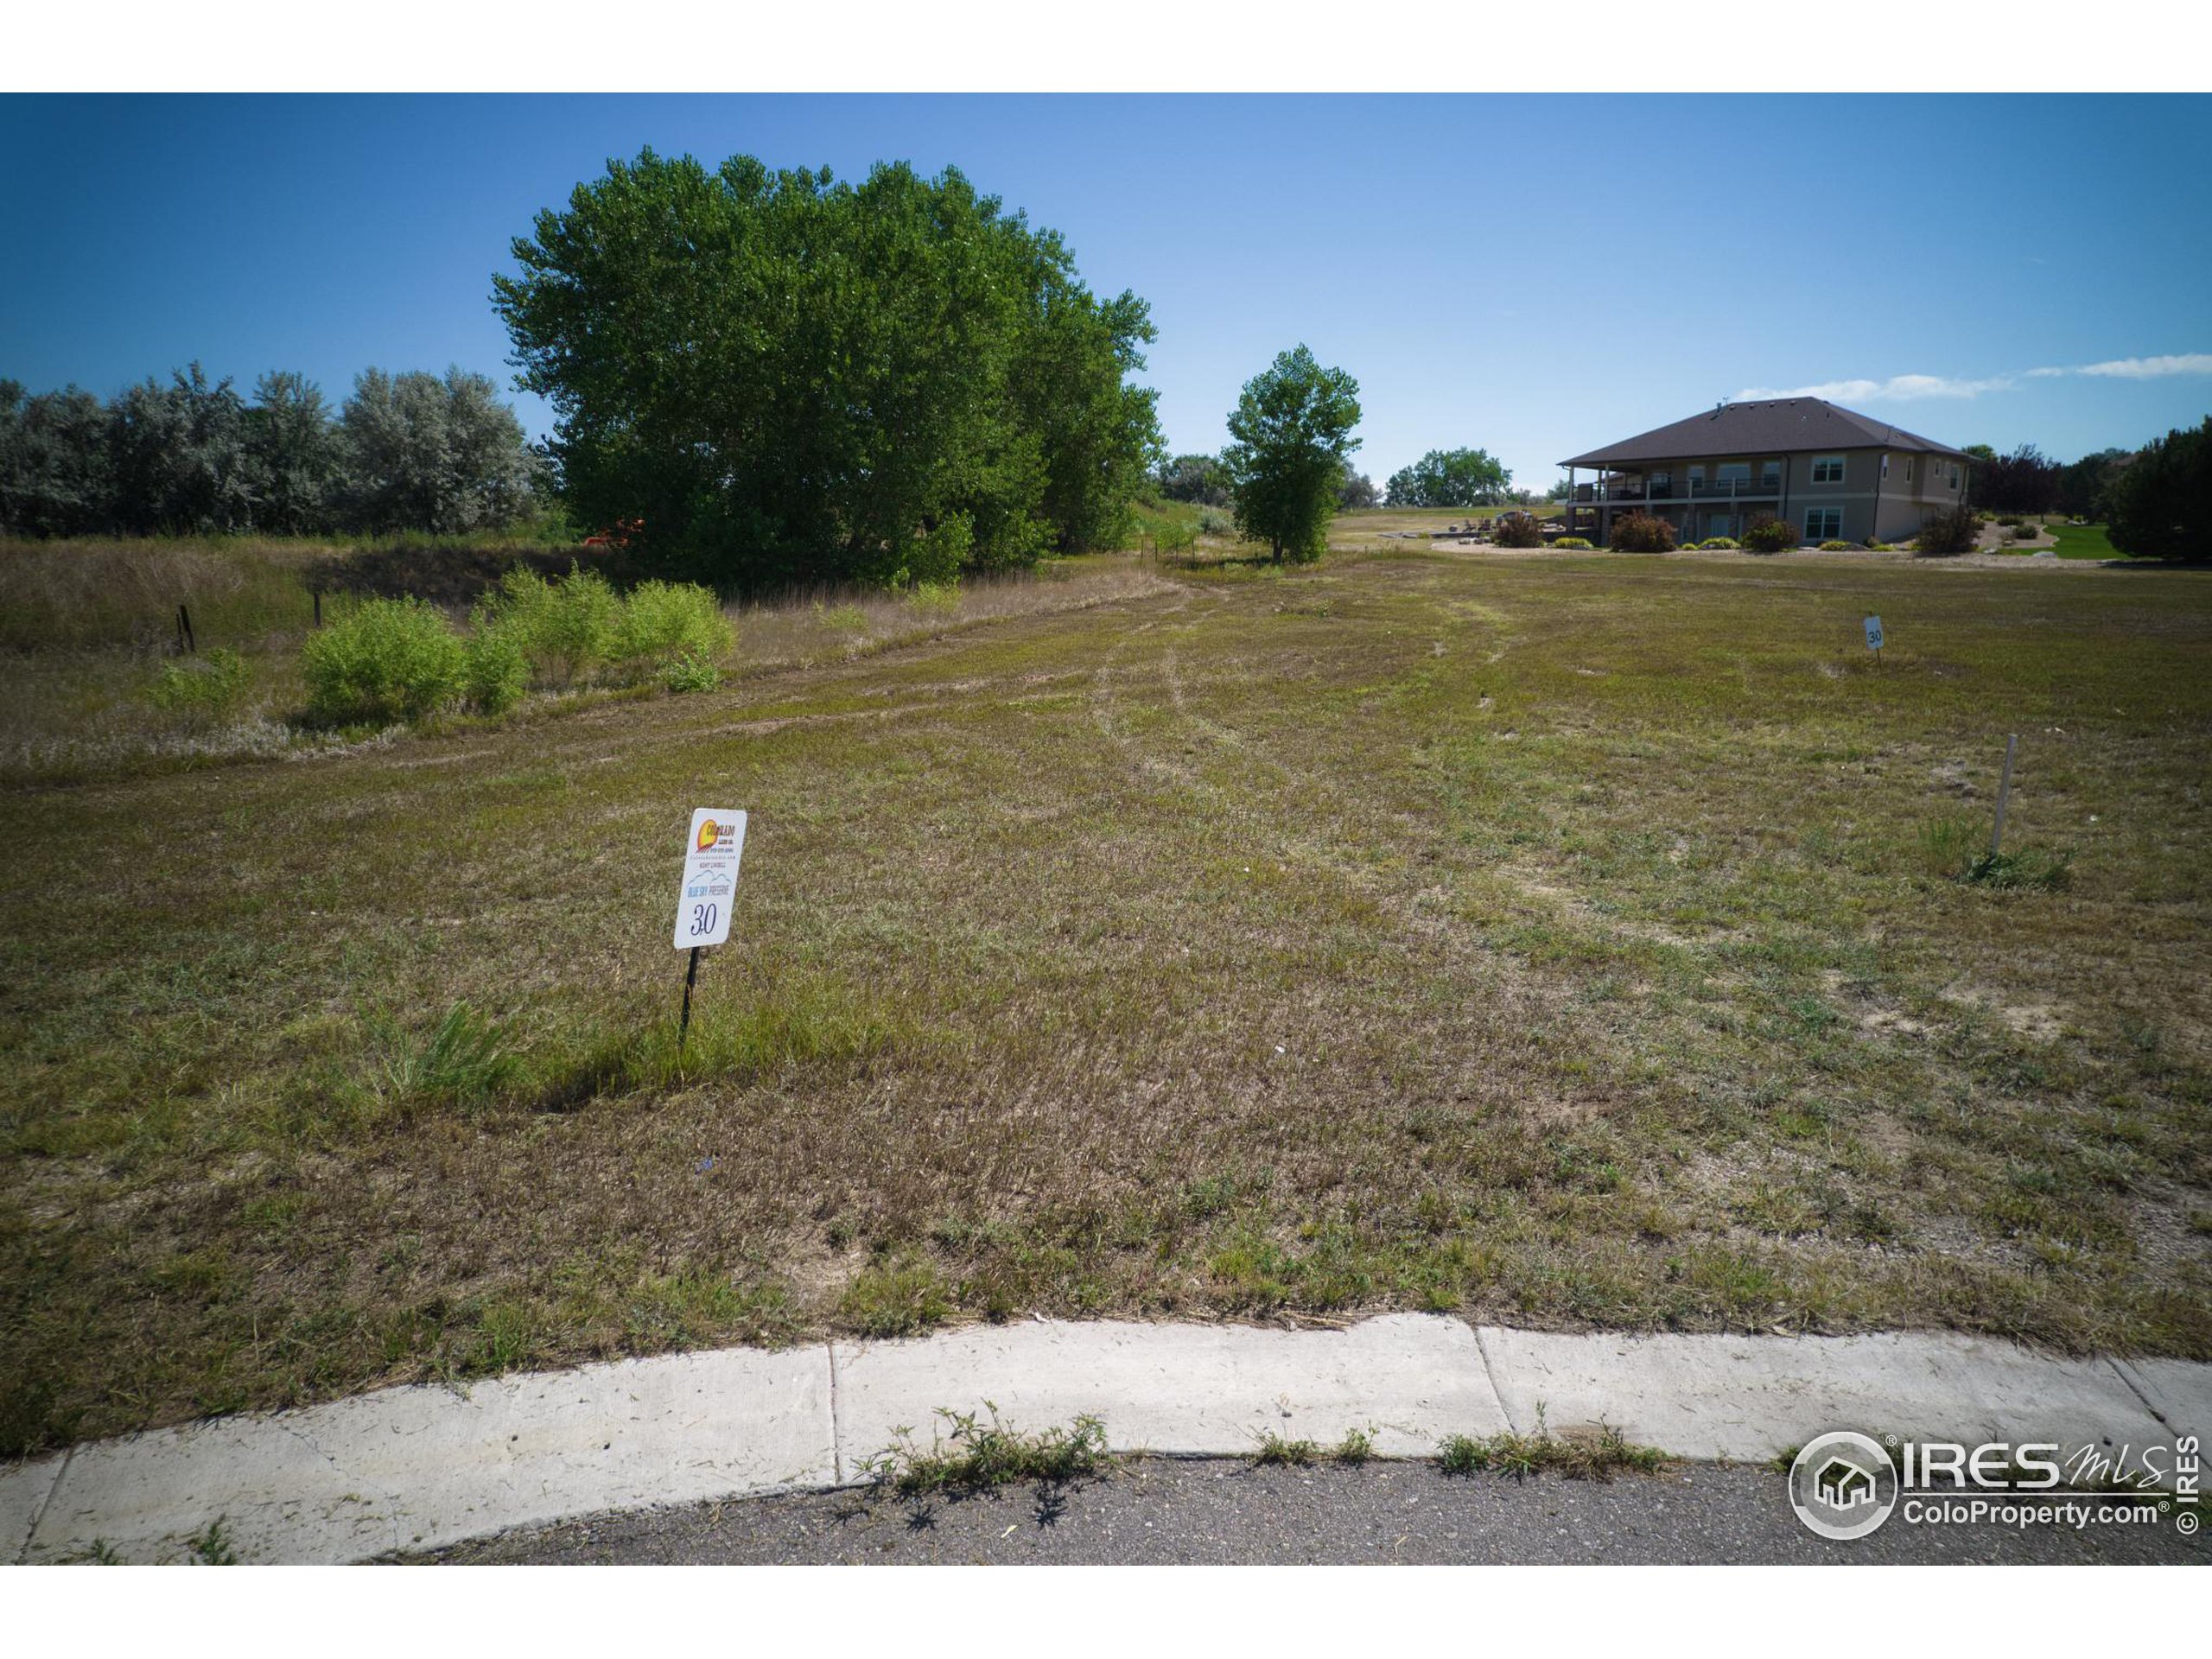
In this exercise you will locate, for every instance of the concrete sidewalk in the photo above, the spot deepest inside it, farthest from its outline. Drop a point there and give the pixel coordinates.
(418, 1468)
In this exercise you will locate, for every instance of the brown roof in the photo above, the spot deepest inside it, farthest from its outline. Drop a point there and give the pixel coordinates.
(1781, 427)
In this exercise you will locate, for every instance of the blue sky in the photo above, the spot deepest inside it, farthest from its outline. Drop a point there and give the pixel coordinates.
(1536, 276)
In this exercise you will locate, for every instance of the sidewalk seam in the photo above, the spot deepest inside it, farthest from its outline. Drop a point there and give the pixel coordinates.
(2156, 1416)
(836, 1428)
(1490, 1376)
(38, 1516)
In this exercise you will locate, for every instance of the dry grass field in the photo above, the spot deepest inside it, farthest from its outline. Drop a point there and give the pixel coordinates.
(1562, 941)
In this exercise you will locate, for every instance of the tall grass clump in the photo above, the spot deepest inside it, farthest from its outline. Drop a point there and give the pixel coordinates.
(205, 690)
(386, 660)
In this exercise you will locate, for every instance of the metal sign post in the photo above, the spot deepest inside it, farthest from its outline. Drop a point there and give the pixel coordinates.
(711, 854)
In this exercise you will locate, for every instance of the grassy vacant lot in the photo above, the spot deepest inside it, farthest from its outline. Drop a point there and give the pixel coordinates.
(1562, 941)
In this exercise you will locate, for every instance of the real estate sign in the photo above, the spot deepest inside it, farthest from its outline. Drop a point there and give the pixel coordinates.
(710, 860)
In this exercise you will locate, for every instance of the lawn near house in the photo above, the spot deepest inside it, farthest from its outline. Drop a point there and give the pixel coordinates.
(1563, 942)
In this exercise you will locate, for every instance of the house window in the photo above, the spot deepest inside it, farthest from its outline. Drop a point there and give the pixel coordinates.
(1827, 469)
(1823, 524)
(1662, 484)
(1885, 465)
(1909, 464)
(1955, 475)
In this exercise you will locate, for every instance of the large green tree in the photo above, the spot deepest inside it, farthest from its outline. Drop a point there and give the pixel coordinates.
(2161, 502)
(1452, 477)
(787, 377)
(1290, 449)
(54, 474)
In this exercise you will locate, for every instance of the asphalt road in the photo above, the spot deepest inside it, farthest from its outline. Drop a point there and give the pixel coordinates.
(1164, 1511)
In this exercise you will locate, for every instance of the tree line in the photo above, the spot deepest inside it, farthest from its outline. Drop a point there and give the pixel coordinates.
(2155, 501)
(404, 452)
(789, 377)
(1442, 478)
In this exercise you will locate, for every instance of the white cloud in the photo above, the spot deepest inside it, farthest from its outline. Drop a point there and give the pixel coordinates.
(1906, 388)
(2146, 368)
(1899, 387)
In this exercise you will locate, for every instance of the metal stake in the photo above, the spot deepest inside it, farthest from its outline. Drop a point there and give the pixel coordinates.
(2004, 793)
(683, 1025)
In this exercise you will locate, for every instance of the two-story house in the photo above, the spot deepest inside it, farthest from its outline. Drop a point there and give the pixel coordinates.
(1828, 473)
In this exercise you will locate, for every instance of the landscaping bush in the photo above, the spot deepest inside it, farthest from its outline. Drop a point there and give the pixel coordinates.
(662, 623)
(1641, 533)
(391, 659)
(2009, 519)
(1576, 542)
(1517, 532)
(207, 688)
(1767, 534)
(1725, 544)
(1946, 534)
(2022, 533)
(1874, 546)
(1839, 547)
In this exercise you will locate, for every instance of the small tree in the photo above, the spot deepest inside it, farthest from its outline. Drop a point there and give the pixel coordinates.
(1357, 491)
(1291, 434)
(2162, 500)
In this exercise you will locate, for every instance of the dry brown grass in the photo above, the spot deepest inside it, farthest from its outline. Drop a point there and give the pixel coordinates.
(1552, 940)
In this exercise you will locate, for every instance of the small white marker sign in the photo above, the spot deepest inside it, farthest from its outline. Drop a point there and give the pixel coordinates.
(710, 859)
(1873, 633)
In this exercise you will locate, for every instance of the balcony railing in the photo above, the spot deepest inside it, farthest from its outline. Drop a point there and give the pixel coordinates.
(1665, 489)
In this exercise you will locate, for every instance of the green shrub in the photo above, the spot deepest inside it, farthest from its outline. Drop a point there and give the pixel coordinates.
(2009, 519)
(939, 555)
(1174, 536)
(1946, 533)
(1642, 532)
(1576, 542)
(2022, 533)
(1724, 544)
(661, 624)
(934, 598)
(566, 627)
(1874, 546)
(495, 669)
(1839, 547)
(1767, 534)
(1517, 529)
(389, 659)
(690, 672)
(209, 688)
(1214, 521)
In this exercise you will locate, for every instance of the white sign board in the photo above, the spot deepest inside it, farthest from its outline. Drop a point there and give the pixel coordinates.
(710, 859)
(1873, 633)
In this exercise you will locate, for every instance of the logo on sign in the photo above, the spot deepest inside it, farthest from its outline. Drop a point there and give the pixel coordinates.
(709, 833)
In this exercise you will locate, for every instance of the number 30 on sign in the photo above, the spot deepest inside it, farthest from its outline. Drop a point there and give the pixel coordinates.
(710, 859)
